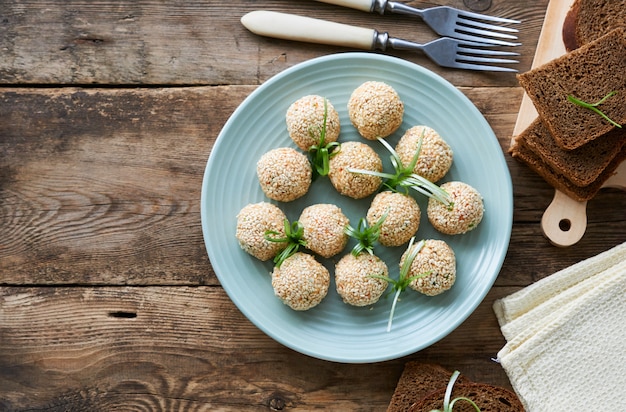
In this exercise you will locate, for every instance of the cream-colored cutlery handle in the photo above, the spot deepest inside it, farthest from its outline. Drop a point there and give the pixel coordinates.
(363, 5)
(306, 29)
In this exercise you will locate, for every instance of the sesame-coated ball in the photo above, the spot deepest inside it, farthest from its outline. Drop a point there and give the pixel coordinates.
(437, 258)
(284, 174)
(402, 221)
(252, 222)
(301, 282)
(354, 281)
(435, 156)
(355, 155)
(324, 226)
(465, 214)
(375, 109)
(305, 121)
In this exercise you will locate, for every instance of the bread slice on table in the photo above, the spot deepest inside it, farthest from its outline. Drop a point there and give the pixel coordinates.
(588, 73)
(522, 152)
(595, 18)
(581, 166)
(418, 380)
(488, 398)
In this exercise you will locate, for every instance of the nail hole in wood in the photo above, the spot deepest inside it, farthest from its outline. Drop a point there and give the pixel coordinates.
(276, 403)
(123, 315)
(565, 225)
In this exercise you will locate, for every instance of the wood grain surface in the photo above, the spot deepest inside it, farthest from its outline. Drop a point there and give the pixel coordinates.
(108, 113)
(193, 43)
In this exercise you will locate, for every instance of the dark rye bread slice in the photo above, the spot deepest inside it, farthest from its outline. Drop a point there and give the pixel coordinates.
(523, 153)
(595, 18)
(588, 73)
(488, 398)
(580, 166)
(418, 380)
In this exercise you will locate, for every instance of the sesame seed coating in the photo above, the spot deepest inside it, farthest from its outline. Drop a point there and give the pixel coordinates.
(284, 174)
(436, 256)
(305, 121)
(355, 155)
(435, 156)
(354, 282)
(301, 282)
(466, 213)
(252, 222)
(402, 221)
(375, 110)
(324, 226)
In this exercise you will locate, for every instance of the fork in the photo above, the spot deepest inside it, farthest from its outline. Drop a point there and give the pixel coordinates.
(445, 20)
(445, 51)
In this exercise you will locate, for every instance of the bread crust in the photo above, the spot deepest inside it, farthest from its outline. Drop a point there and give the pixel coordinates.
(524, 154)
(580, 166)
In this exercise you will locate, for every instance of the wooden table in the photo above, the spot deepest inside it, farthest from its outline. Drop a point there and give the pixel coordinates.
(108, 113)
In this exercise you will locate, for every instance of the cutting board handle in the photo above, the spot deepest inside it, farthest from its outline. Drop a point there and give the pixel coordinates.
(564, 222)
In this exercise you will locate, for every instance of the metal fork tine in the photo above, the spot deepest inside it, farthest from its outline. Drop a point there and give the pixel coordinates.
(480, 67)
(478, 24)
(486, 52)
(472, 40)
(485, 41)
(475, 55)
(476, 59)
(455, 53)
(477, 16)
(465, 29)
(466, 54)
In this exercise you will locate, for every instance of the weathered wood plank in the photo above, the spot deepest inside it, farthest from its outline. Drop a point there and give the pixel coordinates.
(179, 348)
(196, 43)
(108, 300)
(102, 186)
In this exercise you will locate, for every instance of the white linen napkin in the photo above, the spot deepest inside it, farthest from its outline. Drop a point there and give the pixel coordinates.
(566, 337)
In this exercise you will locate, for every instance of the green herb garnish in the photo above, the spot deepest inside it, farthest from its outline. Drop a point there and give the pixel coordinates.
(366, 236)
(403, 280)
(449, 404)
(594, 106)
(320, 154)
(405, 179)
(293, 238)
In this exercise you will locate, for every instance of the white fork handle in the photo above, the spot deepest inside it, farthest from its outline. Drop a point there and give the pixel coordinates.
(363, 5)
(306, 29)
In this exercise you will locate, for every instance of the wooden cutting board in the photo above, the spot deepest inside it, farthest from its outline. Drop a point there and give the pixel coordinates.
(565, 220)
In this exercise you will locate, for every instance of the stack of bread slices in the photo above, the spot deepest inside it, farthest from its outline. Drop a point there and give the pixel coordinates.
(422, 388)
(574, 148)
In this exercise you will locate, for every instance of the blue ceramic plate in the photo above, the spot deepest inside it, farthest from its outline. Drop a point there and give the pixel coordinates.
(333, 330)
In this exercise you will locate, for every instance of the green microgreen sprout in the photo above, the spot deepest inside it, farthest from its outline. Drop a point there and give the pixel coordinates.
(405, 179)
(320, 154)
(403, 280)
(367, 236)
(449, 404)
(293, 238)
(594, 106)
